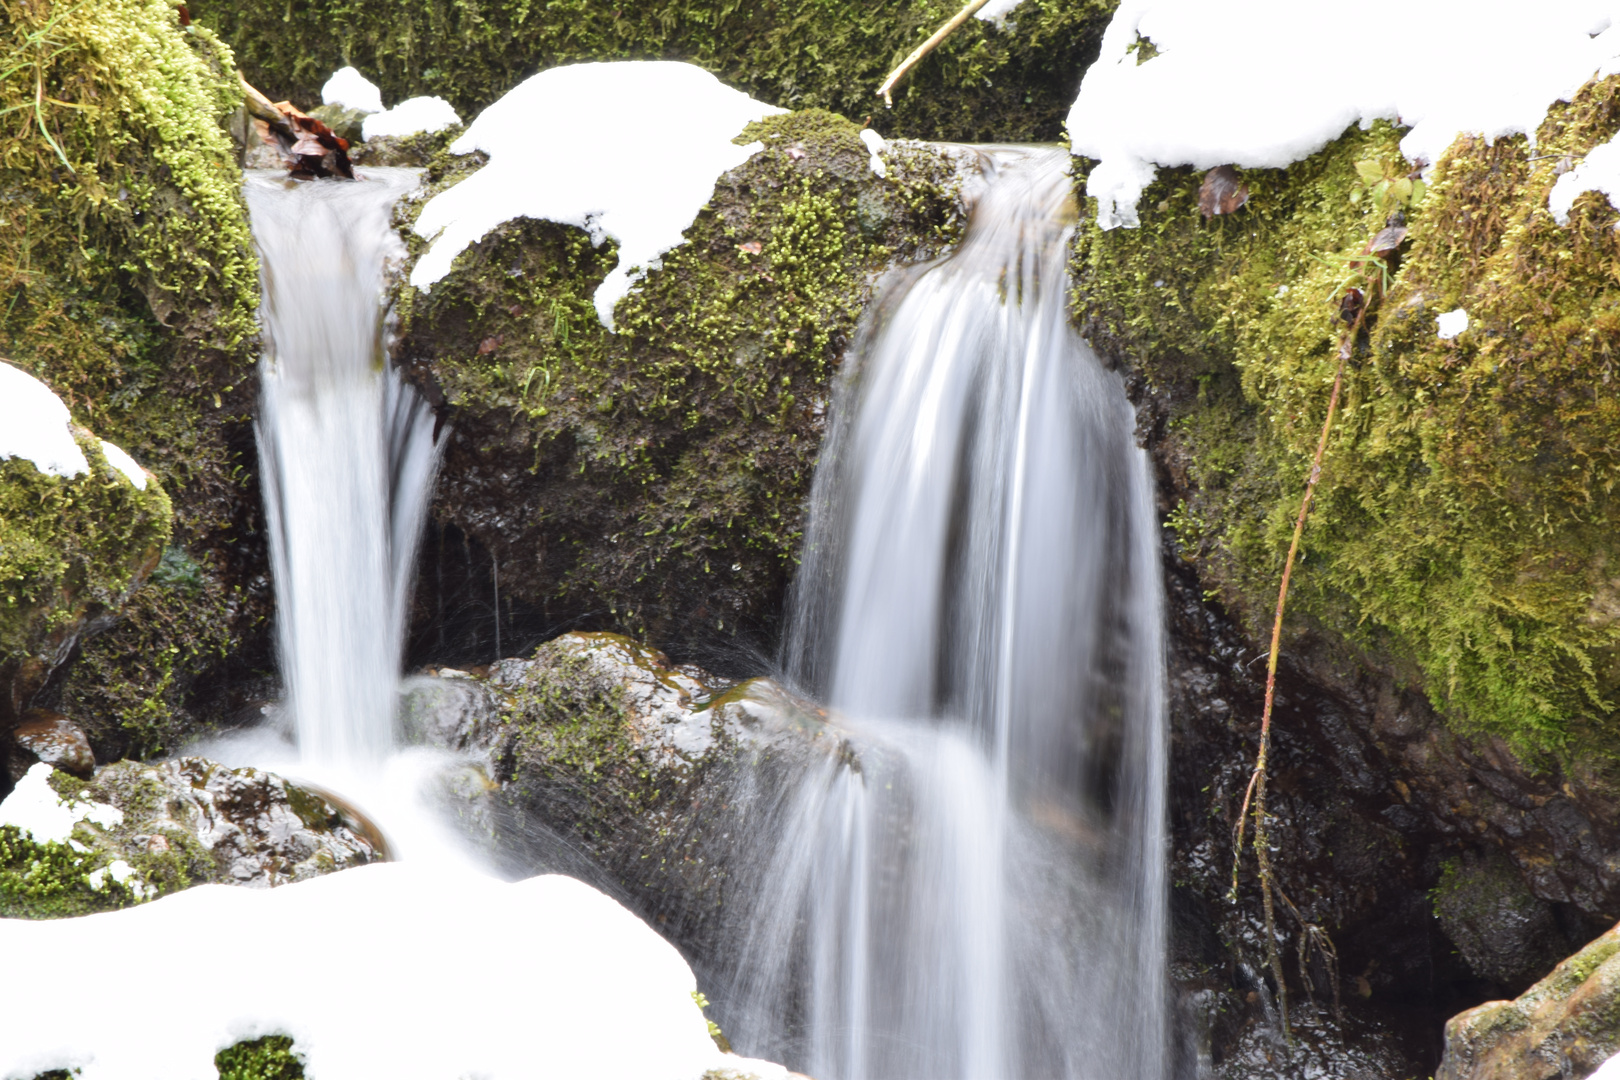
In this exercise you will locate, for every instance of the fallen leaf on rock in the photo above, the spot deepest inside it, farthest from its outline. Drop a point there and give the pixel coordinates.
(489, 345)
(1387, 240)
(1222, 192)
(753, 247)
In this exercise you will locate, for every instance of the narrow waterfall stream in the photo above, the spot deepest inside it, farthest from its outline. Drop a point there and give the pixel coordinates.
(347, 455)
(975, 887)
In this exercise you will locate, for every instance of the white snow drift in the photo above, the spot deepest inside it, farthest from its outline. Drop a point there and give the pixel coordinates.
(392, 970)
(1265, 83)
(626, 150)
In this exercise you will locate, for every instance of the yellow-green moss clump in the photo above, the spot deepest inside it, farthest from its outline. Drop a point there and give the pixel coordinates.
(1013, 81)
(129, 286)
(653, 480)
(1465, 523)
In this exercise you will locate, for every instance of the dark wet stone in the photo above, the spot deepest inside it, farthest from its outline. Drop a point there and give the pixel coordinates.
(52, 738)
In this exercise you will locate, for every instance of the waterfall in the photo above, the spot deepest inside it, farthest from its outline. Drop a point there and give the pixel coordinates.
(975, 887)
(347, 457)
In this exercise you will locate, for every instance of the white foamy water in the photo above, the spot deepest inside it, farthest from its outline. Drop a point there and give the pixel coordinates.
(974, 887)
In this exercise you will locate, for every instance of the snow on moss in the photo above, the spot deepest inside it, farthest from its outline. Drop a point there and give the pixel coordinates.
(34, 425)
(410, 117)
(352, 90)
(1265, 83)
(37, 809)
(125, 464)
(457, 975)
(628, 151)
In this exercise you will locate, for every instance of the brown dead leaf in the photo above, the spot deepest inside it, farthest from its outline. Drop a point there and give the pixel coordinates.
(1222, 192)
(753, 247)
(489, 345)
(1387, 240)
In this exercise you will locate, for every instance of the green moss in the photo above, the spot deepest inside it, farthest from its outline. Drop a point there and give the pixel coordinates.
(1463, 530)
(1013, 82)
(129, 685)
(129, 287)
(569, 719)
(667, 463)
(269, 1058)
(52, 880)
(68, 543)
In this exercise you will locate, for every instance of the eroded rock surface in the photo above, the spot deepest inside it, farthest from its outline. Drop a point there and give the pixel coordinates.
(1562, 1028)
(136, 831)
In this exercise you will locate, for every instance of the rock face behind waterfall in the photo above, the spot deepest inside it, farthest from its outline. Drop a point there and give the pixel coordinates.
(1444, 779)
(1011, 80)
(652, 481)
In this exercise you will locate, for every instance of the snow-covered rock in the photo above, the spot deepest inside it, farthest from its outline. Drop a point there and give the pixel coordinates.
(410, 117)
(1265, 83)
(626, 151)
(396, 970)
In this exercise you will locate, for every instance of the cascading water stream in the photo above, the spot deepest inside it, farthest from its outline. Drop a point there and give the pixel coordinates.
(347, 455)
(974, 887)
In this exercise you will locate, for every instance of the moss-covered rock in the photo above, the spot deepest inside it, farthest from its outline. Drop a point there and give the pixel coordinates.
(1564, 1026)
(144, 831)
(1463, 533)
(1502, 929)
(1012, 81)
(653, 480)
(130, 289)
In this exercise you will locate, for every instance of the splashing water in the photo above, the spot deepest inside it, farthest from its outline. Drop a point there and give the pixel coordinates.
(347, 454)
(974, 887)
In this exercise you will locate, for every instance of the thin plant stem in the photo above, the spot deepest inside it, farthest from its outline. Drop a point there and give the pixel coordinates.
(1256, 792)
(887, 89)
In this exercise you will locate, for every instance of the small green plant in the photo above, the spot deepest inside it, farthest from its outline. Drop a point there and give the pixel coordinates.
(714, 1029)
(269, 1058)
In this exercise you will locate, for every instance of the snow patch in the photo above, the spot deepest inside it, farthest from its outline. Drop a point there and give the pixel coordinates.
(1600, 171)
(628, 151)
(1452, 323)
(34, 807)
(440, 975)
(34, 424)
(1265, 83)
(352, 90)
(875, 145)
(1609, 1070)
(124, 464)
(996, 11)
(410, 117)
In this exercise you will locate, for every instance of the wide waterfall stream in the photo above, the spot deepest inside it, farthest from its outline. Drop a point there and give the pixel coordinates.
(974, 887)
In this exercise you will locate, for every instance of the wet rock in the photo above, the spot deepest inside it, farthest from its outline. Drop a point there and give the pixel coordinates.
(609, 763)
(52, 738)
(1562, 1028)
(193, 820)
(1501, 928)
(344, 123)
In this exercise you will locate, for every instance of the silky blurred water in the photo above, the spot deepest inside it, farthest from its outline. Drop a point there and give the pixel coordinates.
(974, 887)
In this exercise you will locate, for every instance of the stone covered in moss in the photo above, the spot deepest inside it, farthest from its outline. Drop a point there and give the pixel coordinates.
(130, 289)
(1463, 532)
(70, 547)
(1012, 81)
(166, 827)
(1566, 1025)
(653, 480)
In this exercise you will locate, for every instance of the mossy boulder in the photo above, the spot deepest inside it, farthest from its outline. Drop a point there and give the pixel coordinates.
(1010, 81)
(1463, 534)
(1563, 1027)
(600, 759)
(143, 831)
(1506, 933)
(130, 289)
(653, 480)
